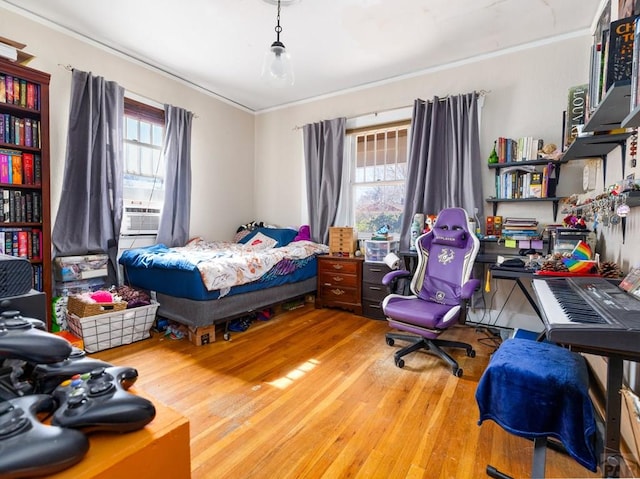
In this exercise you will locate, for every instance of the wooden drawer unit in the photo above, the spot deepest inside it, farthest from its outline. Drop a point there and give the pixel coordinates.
(342, 241)
(373, 291)
(340, 283)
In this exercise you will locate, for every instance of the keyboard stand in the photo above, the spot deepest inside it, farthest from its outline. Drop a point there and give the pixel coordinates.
(517, 274)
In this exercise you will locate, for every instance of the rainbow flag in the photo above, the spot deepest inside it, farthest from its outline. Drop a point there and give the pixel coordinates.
(580, 266)
(581, 251)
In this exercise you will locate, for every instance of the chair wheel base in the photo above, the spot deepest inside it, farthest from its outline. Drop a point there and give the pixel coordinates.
(400, 363)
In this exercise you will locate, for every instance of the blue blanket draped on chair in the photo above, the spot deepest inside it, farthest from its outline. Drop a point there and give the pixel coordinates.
(534, 389)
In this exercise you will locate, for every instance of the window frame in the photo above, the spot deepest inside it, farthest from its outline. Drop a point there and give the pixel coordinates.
(154, 115)
(352, 159)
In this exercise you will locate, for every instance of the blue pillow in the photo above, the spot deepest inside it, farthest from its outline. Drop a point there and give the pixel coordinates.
(283, 236)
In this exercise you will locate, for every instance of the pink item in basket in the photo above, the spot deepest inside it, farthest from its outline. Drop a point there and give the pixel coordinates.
(102, 297)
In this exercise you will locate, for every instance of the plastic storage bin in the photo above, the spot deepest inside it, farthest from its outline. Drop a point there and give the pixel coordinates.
(375, 251)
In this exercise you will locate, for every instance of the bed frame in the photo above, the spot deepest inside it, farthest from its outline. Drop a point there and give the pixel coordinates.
(206, 313)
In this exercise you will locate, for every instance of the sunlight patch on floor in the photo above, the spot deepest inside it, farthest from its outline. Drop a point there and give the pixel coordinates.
(295, 374)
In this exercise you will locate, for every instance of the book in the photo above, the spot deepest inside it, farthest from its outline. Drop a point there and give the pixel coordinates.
(37, 170)
(619, 55)
(31, 96)
(635, 67)
(576, 109)
(23, 93)
(27, 169)
(535, 185)
(23, 244)
(8, 82)
(16, 169)
(4, 167)
(3, 91)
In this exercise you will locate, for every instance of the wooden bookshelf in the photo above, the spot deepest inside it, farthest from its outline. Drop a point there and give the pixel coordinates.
(25, 111)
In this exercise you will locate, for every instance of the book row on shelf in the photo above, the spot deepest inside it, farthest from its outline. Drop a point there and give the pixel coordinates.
(520, 228)
(525, 148)
(20, 168)
(526, 182)
(19, 131)
(21, 242)
(18, 91)
(20, 206)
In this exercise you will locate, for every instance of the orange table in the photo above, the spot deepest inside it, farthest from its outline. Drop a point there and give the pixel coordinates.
(160, 449)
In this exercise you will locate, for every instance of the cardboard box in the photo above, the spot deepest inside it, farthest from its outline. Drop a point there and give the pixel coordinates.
(202, 335)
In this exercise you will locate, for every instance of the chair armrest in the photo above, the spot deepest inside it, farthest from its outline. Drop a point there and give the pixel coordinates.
(469, 287)
(393, 276)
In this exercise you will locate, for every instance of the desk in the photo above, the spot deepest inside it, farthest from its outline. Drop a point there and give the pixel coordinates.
(160, 449)
(517, 274)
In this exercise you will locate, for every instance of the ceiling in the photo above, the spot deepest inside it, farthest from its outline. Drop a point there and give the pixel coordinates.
(335, 45)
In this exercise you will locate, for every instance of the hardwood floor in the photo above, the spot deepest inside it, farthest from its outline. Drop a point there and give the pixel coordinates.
(315, 394)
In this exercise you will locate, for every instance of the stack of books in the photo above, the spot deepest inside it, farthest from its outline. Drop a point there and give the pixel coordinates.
(8, 51)
(520, 228)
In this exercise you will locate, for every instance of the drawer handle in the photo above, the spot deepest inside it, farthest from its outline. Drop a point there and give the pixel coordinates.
(337, 266)
(337, 279)
(375, 270)
(338, 292)
(375, 306)
(375, 288)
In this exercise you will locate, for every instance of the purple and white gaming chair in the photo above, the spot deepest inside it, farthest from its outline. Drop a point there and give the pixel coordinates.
(441, 286)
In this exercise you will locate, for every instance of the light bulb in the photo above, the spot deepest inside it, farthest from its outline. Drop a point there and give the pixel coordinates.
(277, 68)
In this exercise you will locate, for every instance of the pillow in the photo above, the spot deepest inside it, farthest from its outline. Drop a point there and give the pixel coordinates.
(453, 238)
(260, 241)
(240, 234)
(283, 236)
(304, 234)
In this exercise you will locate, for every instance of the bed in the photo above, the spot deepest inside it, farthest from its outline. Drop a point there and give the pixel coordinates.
(210, 282)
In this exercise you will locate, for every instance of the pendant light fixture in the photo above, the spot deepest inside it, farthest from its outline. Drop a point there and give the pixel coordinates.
(277, 69)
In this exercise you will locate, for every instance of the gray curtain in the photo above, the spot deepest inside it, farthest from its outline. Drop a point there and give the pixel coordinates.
(444, 166)
(90, 210)
(324, 156)
(176, 211)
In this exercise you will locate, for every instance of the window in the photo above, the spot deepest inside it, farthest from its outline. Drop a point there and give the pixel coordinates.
(143, 164)
(377, 159)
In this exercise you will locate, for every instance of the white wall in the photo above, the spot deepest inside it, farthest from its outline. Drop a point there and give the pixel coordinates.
(527, 94)
(222, 135)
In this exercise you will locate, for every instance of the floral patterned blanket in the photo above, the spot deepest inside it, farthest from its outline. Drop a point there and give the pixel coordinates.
(223, 264)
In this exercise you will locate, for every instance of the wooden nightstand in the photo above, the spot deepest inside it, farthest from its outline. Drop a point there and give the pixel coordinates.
(373, 291)
(340, 283)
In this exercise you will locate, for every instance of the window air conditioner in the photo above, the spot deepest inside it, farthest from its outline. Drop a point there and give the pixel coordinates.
(140, 218)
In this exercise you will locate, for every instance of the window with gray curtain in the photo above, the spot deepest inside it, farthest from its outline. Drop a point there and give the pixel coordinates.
(90, 210)
(176, 211)
(444, 164)
(324, 156)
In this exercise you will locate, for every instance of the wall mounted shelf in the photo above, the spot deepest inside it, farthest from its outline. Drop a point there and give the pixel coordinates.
(609, 114)
(597, 146)
(554, 200)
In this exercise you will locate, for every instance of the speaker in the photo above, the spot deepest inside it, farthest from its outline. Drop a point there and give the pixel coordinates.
(30, 305)
(16, 276)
